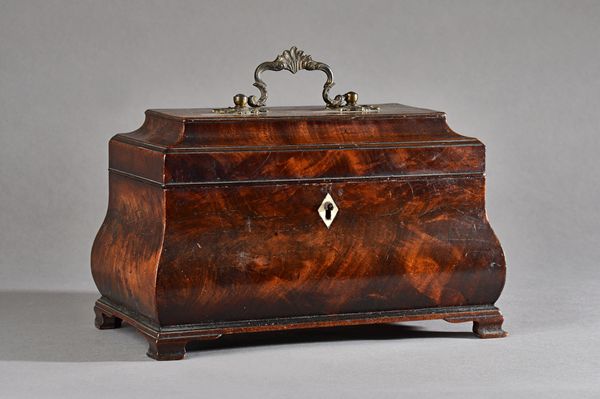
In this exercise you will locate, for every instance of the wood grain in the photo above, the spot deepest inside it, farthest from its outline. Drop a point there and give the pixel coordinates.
(213, 220)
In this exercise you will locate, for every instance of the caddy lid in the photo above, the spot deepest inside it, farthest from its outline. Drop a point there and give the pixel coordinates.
(249, 141)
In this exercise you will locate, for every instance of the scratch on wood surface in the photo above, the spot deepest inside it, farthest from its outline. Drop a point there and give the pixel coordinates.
(261, 164)
(412, 191)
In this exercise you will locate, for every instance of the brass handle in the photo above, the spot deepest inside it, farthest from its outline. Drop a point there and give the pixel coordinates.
(294, 60)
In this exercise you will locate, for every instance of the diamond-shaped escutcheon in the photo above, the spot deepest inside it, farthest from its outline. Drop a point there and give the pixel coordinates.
(328, 210)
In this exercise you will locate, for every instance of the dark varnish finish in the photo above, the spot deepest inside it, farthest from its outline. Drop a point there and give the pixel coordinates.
(212, 225)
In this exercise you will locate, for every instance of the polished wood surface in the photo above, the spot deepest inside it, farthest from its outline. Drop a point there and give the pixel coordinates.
(213, 220)
(262, 251)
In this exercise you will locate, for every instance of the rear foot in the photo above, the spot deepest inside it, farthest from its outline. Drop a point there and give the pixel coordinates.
(104, 321)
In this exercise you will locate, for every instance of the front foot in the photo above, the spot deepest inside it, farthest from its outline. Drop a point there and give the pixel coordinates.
(488, 325)
(165, 350)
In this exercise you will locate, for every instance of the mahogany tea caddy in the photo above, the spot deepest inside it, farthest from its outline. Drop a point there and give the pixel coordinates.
(255, 218)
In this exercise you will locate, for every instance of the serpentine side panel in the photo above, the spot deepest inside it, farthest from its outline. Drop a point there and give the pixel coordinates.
(127, 248)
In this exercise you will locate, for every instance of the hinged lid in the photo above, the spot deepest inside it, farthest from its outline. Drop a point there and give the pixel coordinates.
(251, 143)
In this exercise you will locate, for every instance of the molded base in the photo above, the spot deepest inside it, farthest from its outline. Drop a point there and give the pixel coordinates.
(168, 343)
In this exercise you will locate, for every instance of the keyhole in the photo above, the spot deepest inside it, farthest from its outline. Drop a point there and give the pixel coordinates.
(328, 209)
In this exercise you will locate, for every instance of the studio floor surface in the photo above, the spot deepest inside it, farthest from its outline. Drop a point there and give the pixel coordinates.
(49, 348)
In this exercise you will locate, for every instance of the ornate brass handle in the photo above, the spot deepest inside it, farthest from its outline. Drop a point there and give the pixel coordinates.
(293, 60)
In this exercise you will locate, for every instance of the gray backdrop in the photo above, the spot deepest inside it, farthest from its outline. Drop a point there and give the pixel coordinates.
(523, 76)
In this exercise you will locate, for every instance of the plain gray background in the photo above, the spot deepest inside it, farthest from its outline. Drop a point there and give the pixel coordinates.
(523, 76)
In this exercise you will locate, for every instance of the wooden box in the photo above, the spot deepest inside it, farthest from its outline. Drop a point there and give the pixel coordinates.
(252, 219)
